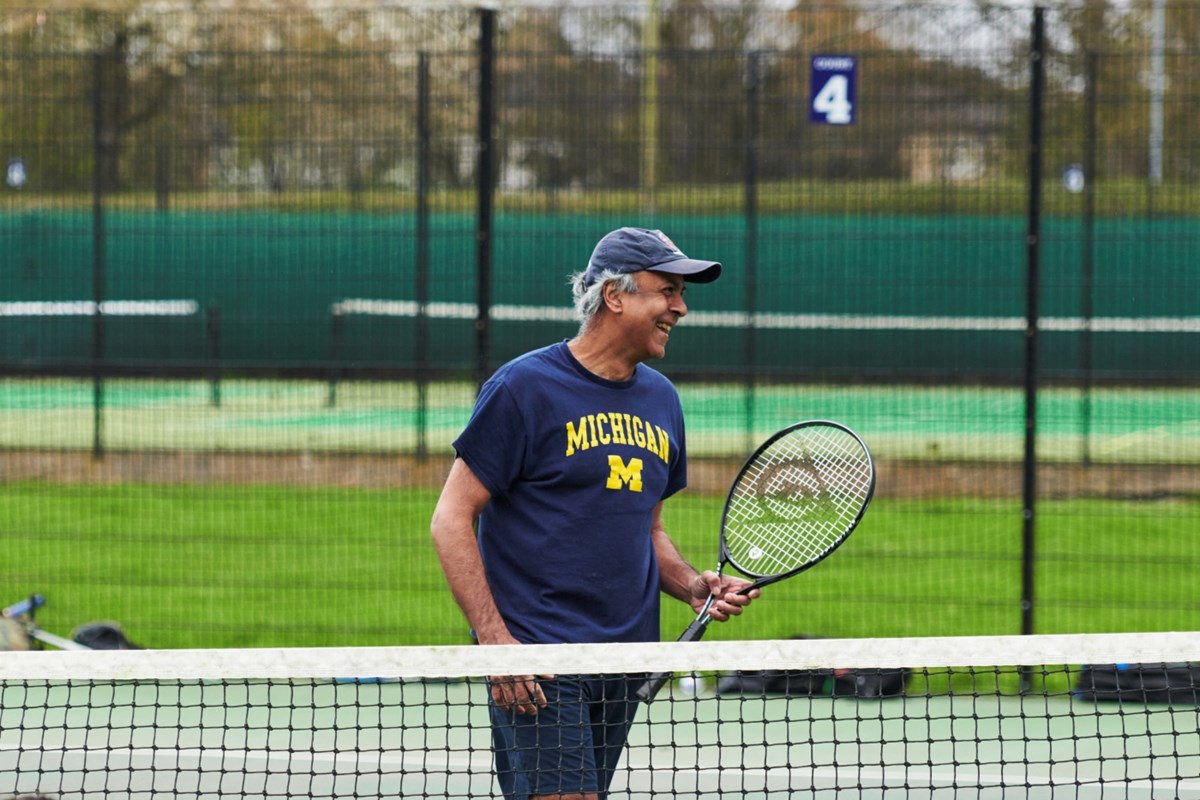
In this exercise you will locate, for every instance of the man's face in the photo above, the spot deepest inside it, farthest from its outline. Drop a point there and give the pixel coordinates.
(653, 311)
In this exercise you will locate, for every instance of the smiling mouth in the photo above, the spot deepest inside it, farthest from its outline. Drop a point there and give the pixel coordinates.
(664, 327)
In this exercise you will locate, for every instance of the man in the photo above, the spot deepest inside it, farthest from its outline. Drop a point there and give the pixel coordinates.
(564, 466)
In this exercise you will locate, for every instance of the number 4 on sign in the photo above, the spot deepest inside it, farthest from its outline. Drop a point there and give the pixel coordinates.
(833, 101)
(832, 89)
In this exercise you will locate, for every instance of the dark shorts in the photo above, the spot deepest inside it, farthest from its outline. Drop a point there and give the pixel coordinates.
(572, 745)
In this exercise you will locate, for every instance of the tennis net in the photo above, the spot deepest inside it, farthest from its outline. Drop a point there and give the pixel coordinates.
(974, 717)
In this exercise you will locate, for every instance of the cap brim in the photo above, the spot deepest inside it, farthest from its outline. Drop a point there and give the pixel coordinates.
(692, 270)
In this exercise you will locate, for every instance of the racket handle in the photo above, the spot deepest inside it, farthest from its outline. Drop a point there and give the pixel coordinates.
(24, 607)
(695, 631)
(655, 682)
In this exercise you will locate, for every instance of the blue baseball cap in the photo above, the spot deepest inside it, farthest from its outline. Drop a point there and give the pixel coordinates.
(628, 250)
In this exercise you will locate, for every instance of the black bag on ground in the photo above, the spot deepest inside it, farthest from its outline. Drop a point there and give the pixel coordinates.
(103, 636)
(863, 683)
(869, 683)
(792, 682)
(1175, 684)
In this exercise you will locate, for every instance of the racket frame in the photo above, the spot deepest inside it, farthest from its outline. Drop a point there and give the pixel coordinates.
(700, 624)
(761, 579)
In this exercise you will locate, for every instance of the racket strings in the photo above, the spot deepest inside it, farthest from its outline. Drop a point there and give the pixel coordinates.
(797, 500)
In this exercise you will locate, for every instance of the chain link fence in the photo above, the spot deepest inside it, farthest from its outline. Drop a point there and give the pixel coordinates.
(249, 247)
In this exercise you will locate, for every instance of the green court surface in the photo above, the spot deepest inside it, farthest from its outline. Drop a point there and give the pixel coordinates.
(1115, 425)
(331, 739)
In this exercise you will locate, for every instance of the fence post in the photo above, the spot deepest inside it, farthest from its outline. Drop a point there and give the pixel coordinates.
(99, 160)
(651, 45)
(1032, 253)
(485, 169)
(162, 177)
(421, 290)
(212, 352)
(337, 333)
(1087, 246)
(750, 183)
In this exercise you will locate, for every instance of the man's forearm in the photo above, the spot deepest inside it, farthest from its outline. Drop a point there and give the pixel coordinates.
(676, 576)
(463, 567)
(453, 531)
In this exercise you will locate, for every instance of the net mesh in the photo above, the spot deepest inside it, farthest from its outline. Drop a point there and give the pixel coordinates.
(1038, 716)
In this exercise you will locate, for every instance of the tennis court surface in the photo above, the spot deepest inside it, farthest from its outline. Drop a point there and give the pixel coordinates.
(979, 717)
(1110, 425)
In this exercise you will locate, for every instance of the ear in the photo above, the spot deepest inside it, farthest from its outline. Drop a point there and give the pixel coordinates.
(613, 297)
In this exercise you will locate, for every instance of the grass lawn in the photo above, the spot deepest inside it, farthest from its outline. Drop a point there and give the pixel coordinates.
(228, 566)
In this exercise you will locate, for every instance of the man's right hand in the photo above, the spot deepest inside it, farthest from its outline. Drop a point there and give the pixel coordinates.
(519, 693)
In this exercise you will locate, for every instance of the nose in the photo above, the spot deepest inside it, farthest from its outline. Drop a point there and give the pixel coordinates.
(679, 305)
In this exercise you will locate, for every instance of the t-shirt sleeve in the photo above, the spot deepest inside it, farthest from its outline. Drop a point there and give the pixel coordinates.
(677, 477)
(493, 442)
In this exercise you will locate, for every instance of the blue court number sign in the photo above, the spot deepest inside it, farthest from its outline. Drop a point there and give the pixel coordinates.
(833, 91)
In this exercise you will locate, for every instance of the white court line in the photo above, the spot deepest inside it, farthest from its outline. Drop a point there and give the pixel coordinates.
(207, 769)
(900, 780)
(193, 758)
(233, 773)
(781, 321)
(704, 319)
(108, 308)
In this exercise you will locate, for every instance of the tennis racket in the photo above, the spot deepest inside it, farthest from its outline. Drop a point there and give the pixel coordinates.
(795, 500)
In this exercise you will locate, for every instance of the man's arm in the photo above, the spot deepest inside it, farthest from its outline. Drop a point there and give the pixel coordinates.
(453, 530)
(681, 580)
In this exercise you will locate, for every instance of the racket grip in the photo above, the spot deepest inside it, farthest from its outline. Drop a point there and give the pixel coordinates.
(655, 682)
(652, 686)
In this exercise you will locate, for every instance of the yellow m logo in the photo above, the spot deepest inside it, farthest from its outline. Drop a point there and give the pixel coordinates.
(619, 474)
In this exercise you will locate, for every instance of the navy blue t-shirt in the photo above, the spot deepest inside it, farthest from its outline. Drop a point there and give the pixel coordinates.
(575, 465)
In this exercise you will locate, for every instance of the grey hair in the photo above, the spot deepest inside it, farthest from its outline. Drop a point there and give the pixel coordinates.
(589, 298)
